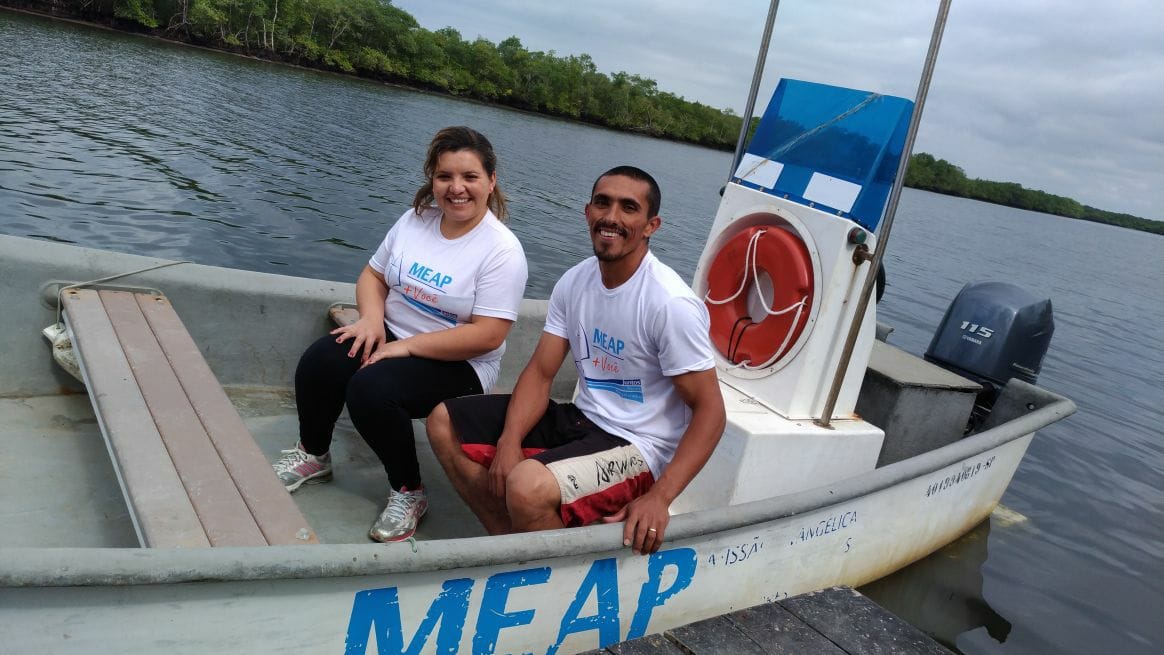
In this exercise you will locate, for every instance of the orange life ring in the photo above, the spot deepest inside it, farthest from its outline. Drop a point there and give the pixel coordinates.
(732, 278)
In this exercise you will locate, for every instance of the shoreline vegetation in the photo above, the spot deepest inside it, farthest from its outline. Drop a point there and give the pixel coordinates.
(375, 40)
(940, 176)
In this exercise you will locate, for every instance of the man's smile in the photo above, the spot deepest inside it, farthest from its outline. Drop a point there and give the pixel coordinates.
(608, 230)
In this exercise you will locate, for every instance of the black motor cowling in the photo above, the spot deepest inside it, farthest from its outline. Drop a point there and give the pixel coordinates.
(992, 332)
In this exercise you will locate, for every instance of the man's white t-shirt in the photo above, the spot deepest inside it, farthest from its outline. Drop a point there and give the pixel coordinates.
(436, 283)
(626, 343)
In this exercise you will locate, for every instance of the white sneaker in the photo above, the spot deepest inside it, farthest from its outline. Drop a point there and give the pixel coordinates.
(298, 466)
(398, 520)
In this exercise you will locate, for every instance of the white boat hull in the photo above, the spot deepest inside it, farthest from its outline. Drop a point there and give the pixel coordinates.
(567, 603)
(557, 591)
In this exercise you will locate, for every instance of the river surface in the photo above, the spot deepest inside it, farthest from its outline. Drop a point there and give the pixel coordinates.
(123, 143)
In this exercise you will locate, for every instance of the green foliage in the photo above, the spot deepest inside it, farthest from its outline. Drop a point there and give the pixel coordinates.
(925, 172)
(1122, 220)
(372, 38)
(139, 11)
(939, 175)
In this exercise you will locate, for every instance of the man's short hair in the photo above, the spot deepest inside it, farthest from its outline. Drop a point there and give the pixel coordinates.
(654, 195)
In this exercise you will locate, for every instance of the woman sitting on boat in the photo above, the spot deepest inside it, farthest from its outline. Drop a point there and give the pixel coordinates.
(436, 302)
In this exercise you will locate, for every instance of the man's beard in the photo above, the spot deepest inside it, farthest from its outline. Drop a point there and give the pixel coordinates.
(608, 254)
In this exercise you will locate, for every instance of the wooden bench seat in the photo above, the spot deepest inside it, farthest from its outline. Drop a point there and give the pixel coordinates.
(191, 472)
(343, 314)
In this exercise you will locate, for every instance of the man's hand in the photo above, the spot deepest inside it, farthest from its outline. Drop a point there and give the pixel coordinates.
(646, 522)
(647, 516)
(531, 396)
(503, 462)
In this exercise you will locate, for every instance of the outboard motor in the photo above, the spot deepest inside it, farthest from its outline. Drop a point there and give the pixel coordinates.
(992, 332)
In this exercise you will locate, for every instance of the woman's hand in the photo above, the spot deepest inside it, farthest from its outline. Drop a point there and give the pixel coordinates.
(367, 335)
(388, 350)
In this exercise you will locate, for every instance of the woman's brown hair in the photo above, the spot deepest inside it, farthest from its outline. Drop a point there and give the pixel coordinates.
(454, 139)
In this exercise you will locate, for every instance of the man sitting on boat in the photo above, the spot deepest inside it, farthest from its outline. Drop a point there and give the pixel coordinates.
(648, 412)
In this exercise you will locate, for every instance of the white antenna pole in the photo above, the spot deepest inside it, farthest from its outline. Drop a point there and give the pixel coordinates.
(761, 58)
(923, 89)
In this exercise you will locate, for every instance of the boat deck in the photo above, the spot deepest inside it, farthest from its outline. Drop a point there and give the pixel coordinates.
(54, 459)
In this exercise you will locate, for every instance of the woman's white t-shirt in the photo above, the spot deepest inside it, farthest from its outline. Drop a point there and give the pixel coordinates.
(436, 283)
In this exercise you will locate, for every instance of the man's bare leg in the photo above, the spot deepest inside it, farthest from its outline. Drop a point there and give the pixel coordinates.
(533, 498)
(470, 479)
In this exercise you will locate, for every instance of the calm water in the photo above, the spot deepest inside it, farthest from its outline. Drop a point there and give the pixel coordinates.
(125, 144)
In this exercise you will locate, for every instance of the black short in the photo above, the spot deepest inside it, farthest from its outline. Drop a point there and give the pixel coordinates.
(564, 431)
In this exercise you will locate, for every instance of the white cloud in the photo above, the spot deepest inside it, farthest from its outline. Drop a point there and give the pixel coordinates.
(1066, 96)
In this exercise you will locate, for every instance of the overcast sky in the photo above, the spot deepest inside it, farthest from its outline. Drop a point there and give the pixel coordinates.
(1065, 96)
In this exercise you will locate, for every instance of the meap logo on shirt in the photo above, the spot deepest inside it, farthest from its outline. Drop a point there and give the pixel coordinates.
(423, 288)
(428, 276)
(608, 344)
(607, 357)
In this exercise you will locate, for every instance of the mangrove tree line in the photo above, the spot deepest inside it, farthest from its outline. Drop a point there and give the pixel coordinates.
(927, 172)
(374, 39)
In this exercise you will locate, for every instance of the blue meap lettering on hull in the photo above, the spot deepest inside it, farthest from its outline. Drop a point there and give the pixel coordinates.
(493, 617)
(377, 611)
(650, 596)
(603, 579)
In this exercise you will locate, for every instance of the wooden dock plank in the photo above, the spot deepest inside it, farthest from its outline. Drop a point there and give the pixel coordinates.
(858, 625)
(829, 622)
(781, 632)
(715, 635)
(161, 510)
(648, 645)
(272, 507)
(224, 515)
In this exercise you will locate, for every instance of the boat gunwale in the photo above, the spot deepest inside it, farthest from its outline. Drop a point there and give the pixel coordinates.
(69, 567)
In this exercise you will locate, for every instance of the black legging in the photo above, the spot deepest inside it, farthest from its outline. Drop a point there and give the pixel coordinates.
(382, 400)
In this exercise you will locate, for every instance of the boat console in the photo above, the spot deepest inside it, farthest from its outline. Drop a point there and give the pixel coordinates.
(781, 276)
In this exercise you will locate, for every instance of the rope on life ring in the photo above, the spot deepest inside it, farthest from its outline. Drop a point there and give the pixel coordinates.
(784, 258)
